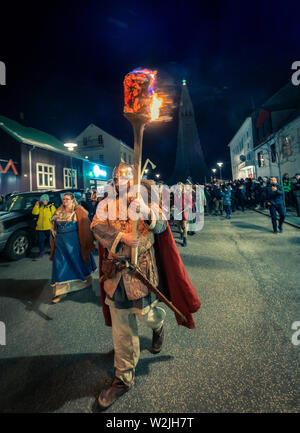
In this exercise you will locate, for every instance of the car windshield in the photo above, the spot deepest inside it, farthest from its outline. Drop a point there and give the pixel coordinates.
(20, 202)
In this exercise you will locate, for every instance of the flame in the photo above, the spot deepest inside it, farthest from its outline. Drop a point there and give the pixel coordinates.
(155, 105)
(141, 98)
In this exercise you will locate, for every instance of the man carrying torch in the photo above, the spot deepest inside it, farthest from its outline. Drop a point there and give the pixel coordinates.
(138, 256)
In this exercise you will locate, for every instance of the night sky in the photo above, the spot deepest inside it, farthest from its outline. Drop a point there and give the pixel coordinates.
(65, 65)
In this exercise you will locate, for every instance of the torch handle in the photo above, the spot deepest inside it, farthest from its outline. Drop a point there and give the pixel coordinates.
(138, 129)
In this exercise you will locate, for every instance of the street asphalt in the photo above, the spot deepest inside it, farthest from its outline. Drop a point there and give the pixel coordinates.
(239, 358)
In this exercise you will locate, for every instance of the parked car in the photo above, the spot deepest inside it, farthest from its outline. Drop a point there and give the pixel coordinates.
(17, 224)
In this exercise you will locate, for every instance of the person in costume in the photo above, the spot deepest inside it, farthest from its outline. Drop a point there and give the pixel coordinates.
(196, 214)
(72, 244)
(182, 205)
(125, 299)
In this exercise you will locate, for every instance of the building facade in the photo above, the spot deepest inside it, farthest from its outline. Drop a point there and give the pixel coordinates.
(241, 151)
(280, 152)
(97, 145)
(32, 160)
(273, 148)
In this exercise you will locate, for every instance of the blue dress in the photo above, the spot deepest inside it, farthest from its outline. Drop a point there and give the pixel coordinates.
(68, 266)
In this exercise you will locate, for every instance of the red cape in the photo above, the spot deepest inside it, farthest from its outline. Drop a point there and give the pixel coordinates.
(174, 282)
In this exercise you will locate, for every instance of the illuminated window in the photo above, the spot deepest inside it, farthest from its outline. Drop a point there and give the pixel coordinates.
(68, 178)
(45, 175)
(286, 146)
(260, 159)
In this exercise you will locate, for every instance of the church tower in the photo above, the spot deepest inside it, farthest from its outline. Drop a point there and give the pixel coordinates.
(189, 155)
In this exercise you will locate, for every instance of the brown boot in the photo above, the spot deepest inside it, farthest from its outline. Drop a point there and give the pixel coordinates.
(110, 395)
(157, 340)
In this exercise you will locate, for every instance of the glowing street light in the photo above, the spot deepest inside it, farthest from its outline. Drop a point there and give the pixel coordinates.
(220, 165)
(214, 173)
(157, 175)
(71, 146)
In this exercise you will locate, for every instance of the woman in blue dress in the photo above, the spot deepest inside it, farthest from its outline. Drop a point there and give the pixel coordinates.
(72, 244)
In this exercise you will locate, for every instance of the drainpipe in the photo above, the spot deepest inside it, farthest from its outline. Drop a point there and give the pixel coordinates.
(30, 169)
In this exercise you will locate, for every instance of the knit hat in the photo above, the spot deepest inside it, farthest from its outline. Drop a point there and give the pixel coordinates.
(44, 197)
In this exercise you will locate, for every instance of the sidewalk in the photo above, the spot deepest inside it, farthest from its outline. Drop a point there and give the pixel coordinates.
(291, 216)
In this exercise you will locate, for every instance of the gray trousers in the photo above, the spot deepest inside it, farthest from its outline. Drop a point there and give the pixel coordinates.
(126, 340)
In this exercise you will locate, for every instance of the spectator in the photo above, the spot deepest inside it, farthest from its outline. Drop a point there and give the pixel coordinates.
(241, 196)
(226, 195)
(217, 199)
(233, 196)
(209, 199)
(248, 186)
(94, 201)
(296, 192)
(44, 210)
(287, 187)
(275, 203)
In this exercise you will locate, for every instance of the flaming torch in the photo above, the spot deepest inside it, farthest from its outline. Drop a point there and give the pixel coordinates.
(142, 105)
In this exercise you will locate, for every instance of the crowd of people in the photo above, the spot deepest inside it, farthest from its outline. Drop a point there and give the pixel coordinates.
(250, 193)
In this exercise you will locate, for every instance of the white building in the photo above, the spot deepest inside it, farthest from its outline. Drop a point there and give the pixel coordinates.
(100, 147)
(241, 152)
(280, 153)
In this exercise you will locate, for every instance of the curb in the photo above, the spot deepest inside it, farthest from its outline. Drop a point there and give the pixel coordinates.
(285, 222)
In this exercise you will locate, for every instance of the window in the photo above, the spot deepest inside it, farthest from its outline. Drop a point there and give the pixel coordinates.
(260, 159)
(286, 146)
(85, 141)
(129, 159)
(100, 140)
(68, 178)
(45, 175)
(298, 138)
(101, 158)
(273, 152)
(124, 157)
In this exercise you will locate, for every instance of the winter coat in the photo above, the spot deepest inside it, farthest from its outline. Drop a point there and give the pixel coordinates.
(275, 197)
(226, 195)
(216, 193)
(45, 213)
(287, 185)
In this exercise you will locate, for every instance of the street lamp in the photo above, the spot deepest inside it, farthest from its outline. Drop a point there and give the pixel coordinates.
(214, 171)
(71, 146)
(157, 175)
(220, 165)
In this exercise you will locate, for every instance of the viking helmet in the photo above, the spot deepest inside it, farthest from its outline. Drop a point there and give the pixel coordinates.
(123, 170)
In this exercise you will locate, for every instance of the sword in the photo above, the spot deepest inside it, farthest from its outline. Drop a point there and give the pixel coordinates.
(139, 275)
